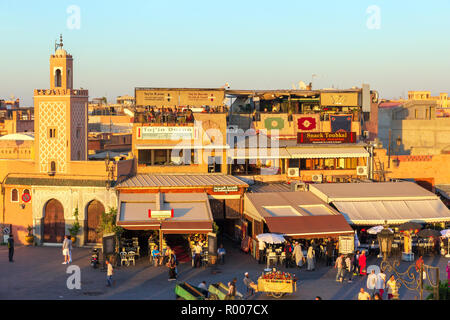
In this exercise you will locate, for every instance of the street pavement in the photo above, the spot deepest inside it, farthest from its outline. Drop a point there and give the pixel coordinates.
(38, 273)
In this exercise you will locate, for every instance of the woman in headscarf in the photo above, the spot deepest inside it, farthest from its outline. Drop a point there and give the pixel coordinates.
(362, 263)
(298, 254)
(310, 258)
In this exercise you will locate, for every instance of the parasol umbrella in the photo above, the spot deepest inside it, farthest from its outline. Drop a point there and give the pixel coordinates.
(446, 233)
(410, 226)
(377, 230)
(373, 267)
(271, 238)
(425, 233)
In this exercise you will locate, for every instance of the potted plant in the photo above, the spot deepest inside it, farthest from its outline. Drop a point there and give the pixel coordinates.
(75, 227)
(29, 238)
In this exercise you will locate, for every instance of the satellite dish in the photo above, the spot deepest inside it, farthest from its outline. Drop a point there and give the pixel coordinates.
(302, 85)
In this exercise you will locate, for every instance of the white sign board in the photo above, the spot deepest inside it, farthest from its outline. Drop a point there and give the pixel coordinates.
(346, 244)
(166, 133)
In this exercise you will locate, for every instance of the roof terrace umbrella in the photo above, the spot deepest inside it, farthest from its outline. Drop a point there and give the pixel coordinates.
(425, 233)
(376, 230)
(409, 226)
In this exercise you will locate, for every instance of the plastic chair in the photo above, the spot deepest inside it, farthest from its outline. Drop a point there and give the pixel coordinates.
(205, 259)
(123, 258)
(282, 257)
(272, 259)
(131, 256)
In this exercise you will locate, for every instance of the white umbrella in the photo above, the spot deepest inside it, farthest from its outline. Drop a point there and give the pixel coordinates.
(270, 238)
(446, 233)
(373, 267)
(357, 243)
(377, 230)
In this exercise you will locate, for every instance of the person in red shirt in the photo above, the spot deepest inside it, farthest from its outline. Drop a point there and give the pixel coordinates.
(362, 263)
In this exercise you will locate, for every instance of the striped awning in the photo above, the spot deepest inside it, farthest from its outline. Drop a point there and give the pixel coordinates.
(323, 152)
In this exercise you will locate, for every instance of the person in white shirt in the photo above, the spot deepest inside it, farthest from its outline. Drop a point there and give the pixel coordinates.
(372, 283)
(198, 250)
(381, 283)
(262, 249)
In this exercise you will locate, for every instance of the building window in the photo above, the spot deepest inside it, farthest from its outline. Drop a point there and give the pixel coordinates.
(53, 166)
(78, 134)
(58, 78)
(26, 191)
(14, 195)
(79, 155)
(52, 133)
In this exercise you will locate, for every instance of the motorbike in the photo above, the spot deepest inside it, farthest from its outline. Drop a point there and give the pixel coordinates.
(95, 258)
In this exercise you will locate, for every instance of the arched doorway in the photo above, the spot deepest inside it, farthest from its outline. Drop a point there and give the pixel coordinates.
(94, 212)
(54, 223)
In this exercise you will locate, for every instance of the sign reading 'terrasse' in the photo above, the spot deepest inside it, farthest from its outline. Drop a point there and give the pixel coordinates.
(326, 137)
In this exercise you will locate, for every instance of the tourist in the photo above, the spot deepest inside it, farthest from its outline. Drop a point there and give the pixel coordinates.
(249, 284)
(70, 248)
(362, 263)
(156, 256)
(339, 265)
(262, 249)
(356, 263)
(109, 273)
(391, 287)
(310, 259)
(381, 283)
(372, 282)
(65, 250)
(171, 264)
(11, 247)
(363, 295)
(298, 254)
(221, 254)
(348, 268)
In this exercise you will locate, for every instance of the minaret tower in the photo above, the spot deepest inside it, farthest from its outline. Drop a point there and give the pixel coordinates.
(60, 122)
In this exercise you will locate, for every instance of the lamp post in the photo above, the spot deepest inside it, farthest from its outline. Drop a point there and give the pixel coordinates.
(410, 279)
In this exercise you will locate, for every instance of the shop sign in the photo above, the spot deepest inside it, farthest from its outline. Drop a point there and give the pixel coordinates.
(346, 244)
(326, 137)
(160, 214)
(166, 133)
(333, 99)
(226, 189)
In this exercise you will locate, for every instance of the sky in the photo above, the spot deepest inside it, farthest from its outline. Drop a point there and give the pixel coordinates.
(393, 45)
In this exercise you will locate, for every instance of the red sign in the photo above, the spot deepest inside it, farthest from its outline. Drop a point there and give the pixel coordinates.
(307, 123)
(326, 137)
(26, 197)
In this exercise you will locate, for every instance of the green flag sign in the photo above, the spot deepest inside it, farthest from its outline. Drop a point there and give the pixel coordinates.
(274, 123)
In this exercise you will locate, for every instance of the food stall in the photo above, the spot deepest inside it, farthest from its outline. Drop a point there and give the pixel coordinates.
(277, 283)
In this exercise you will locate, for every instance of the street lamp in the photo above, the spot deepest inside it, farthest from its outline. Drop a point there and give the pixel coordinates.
(385, 239)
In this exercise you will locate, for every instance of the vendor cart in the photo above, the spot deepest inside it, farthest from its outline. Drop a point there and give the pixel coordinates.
(218, 291)
(185, 291)
(277, 287)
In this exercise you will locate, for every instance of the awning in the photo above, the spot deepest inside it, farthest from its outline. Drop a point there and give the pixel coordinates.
(191, 212)
(310, 226)
(395, 211)
(258, 153)
(322, 152)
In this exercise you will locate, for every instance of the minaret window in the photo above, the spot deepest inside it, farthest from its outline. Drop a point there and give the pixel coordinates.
(53, 166)
(58, 78)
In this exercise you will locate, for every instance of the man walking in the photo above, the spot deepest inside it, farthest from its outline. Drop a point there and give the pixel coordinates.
(250, 285)
(329, 251)
(11, 248)
(372, 283)
(340, 267)
(381, 283)
(109, 273)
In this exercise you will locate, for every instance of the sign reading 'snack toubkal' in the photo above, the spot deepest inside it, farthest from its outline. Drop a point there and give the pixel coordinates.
(326, 137)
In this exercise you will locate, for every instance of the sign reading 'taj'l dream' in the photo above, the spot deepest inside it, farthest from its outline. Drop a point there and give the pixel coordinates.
(166, 133)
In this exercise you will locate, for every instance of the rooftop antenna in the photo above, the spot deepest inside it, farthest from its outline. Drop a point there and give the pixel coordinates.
(60, 44)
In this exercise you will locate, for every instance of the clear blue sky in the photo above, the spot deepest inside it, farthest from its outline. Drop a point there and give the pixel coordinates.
(250, 44)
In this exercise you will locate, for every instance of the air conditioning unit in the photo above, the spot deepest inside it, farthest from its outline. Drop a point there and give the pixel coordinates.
(317, 178)
(299, 186)
(361, 171)
(293, 172)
